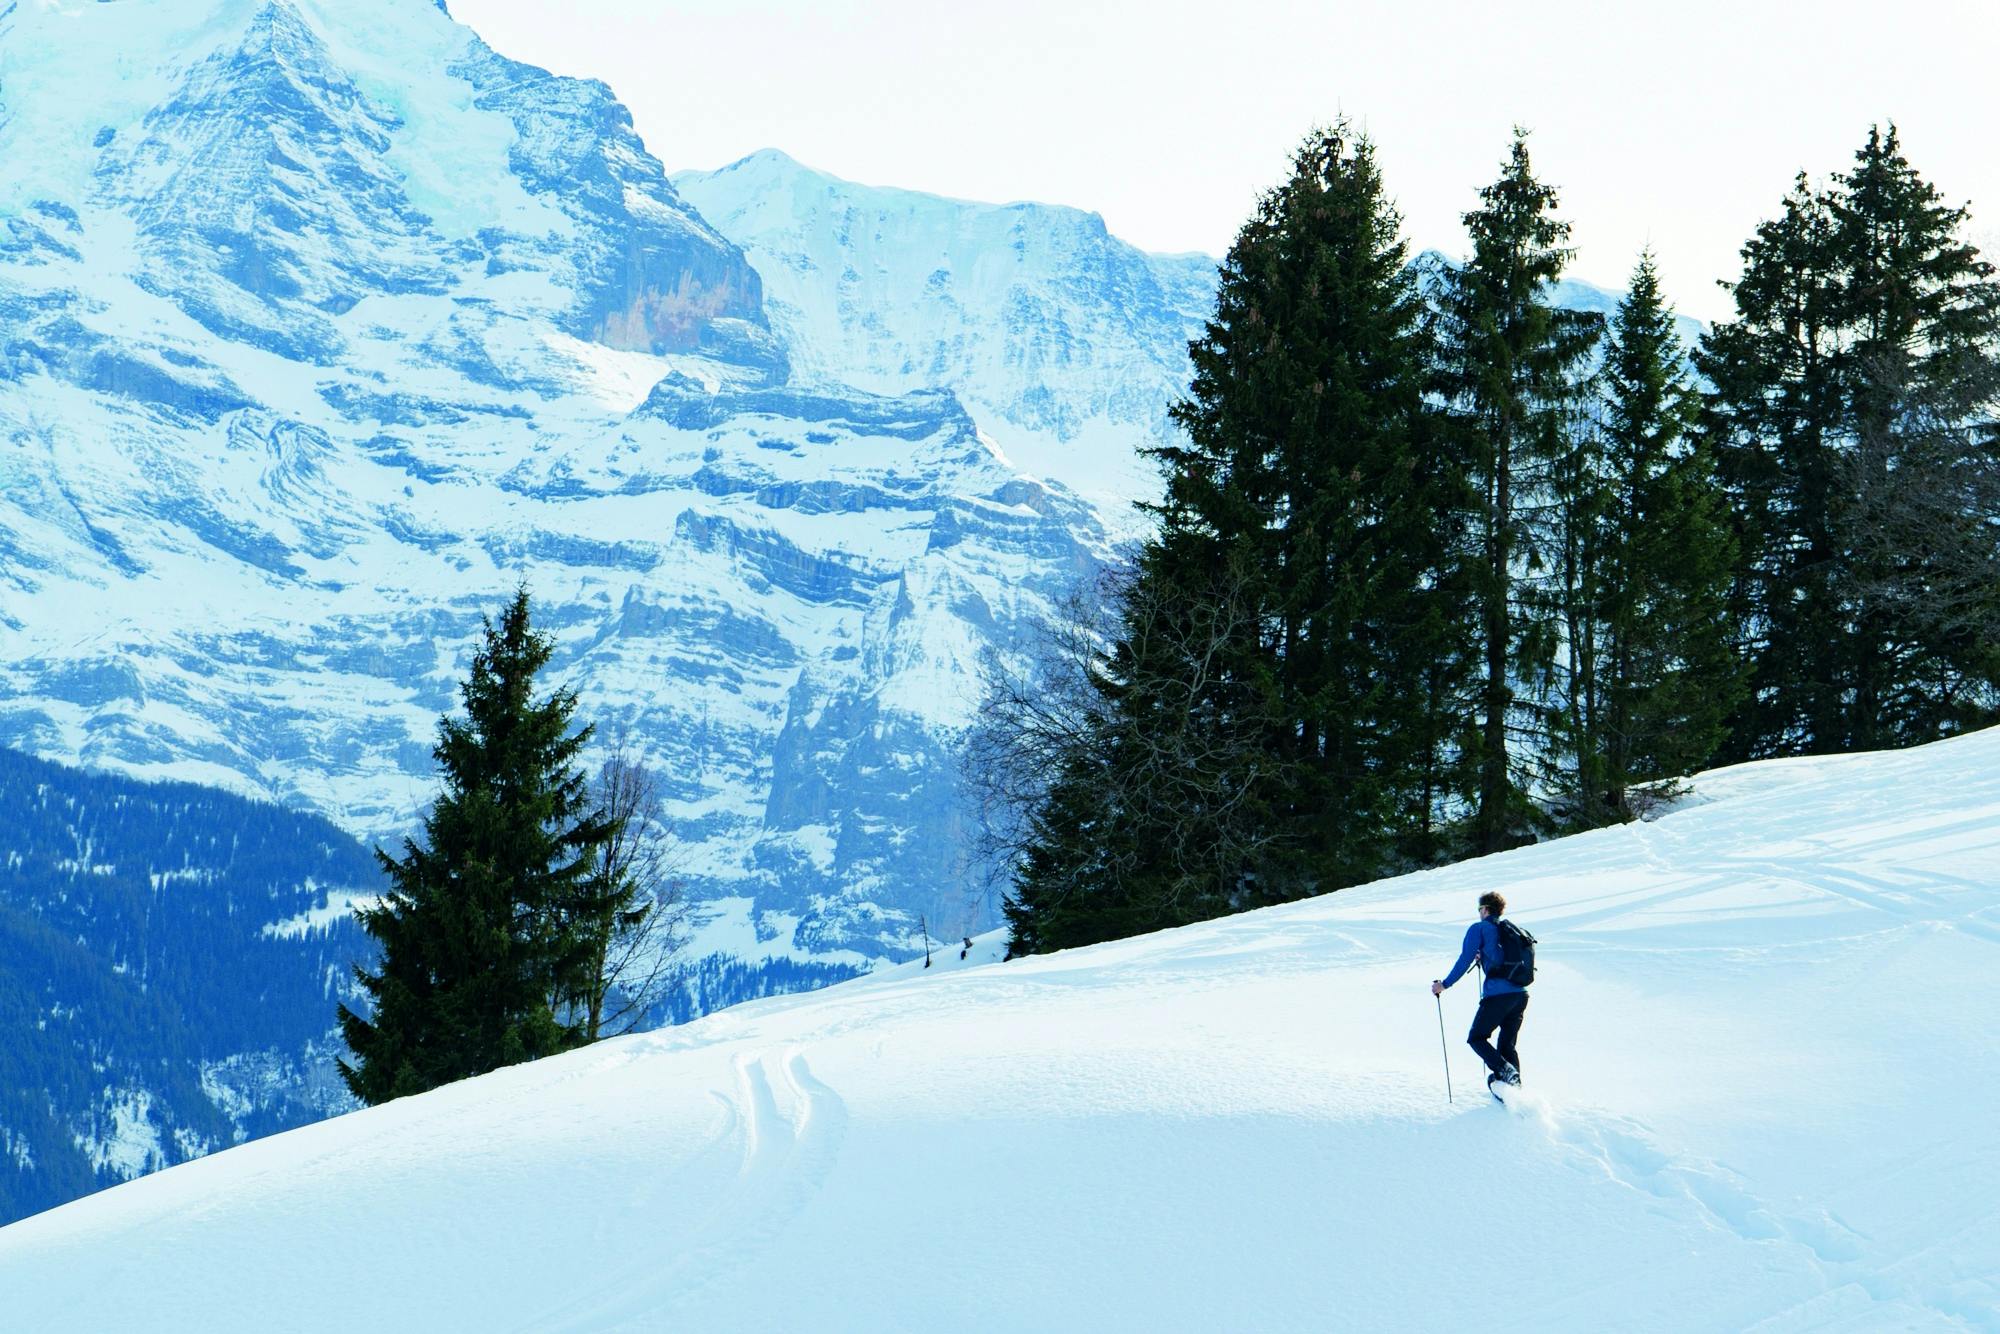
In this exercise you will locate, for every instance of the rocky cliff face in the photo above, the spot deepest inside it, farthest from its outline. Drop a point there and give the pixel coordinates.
(325, 326)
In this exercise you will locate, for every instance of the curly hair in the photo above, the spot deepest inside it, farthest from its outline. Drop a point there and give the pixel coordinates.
(1494, 903)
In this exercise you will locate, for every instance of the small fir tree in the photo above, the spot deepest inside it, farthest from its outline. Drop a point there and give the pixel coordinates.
(487, 927)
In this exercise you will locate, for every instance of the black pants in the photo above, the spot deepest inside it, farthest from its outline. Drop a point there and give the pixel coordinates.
(1504, 1013)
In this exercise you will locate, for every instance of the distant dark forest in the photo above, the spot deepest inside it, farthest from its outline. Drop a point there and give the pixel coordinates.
(136, 955)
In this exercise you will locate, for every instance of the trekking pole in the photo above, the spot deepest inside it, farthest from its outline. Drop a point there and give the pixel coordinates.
(1444, 1051)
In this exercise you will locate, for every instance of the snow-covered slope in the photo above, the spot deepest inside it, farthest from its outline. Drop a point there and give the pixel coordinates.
(1067, 343)
(322, 326)
(1761, 1048)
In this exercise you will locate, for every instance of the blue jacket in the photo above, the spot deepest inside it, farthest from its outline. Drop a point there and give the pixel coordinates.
(1482, 942)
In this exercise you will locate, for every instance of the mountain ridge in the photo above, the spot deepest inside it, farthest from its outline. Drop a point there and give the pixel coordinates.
(1067, 343)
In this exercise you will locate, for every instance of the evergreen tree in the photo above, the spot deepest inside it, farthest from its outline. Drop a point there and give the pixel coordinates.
(1771, 417)
(1849, 417)
(1921, 375)
(486, 929)
(1273, 704)
(1513, 370)
(1653, 650)
(1313, 465)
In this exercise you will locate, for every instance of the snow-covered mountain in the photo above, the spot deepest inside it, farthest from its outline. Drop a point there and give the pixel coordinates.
(1067, 344)
(1763, 1077)
(322, 326)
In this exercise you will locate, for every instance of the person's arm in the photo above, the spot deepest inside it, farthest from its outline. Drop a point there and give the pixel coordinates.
(1485, 939)
(1465, 956)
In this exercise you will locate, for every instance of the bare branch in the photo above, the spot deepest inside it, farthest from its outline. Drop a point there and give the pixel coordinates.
(644, 919)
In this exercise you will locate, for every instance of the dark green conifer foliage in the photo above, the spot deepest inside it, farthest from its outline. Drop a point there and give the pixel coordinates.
(1652, 652)
(486, 927)
(1274, 705)
(1514, 371)
(1063, 890)
(1771, 419)
(1850, 421)
(1313, 465)
(1921, 372)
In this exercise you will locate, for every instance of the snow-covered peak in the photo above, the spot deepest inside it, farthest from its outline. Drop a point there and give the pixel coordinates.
(326, 325)
(1068, 344)
(131, 54)
(285, 159)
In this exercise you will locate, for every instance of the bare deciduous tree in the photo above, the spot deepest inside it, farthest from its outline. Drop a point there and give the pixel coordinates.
(1171, 773)
(1038, 708)
(644, 924)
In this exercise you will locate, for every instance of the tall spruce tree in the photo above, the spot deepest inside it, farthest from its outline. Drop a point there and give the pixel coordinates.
(486, 928)
(1276, 699)
(1312, 464)
(1921, 374)
(1654, 650)
(1771, 419)
(1850, 413)
(1514, 369)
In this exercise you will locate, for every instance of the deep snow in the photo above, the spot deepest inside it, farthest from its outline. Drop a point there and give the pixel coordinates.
(1761, 1044)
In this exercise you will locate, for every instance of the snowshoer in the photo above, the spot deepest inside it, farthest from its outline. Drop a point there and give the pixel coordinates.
(1503, 1001)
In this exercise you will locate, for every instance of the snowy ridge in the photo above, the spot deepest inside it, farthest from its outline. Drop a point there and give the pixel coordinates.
(1066, 343)
(326, 325)
(1763, 1072)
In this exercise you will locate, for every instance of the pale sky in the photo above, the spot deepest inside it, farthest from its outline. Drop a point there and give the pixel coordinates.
(1676, 124)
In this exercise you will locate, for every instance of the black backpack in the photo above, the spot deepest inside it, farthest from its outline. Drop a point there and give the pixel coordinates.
(1517, 955)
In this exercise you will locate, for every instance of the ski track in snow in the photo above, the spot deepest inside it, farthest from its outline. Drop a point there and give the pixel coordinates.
(1760, 1072)
(786, 1150)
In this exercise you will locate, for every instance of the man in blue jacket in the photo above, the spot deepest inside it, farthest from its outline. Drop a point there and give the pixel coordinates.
(1501, 1003)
